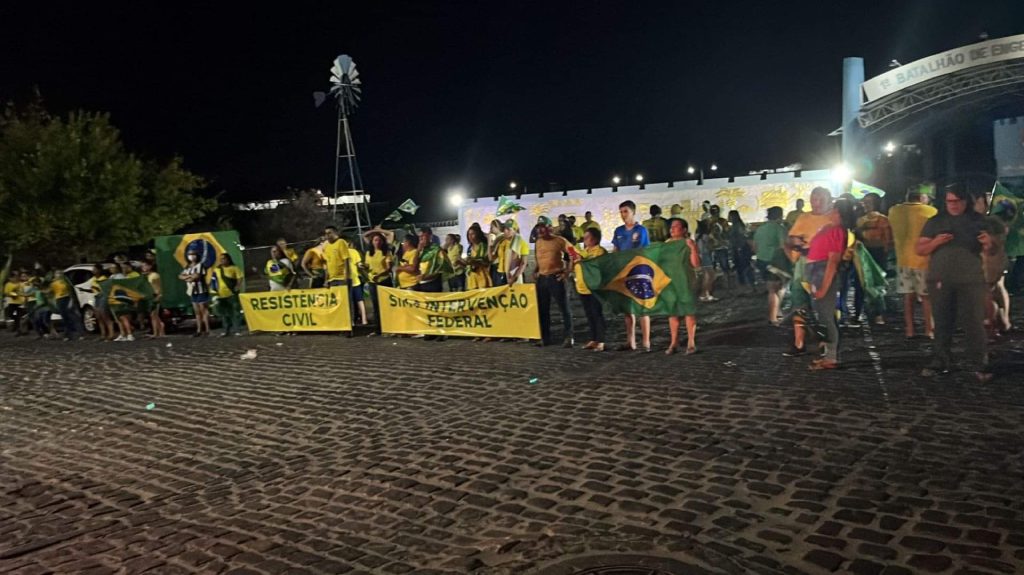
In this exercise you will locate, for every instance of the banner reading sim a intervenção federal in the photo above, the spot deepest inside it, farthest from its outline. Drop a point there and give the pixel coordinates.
(507, 311)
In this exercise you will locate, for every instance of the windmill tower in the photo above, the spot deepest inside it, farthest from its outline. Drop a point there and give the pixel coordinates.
(347, 88)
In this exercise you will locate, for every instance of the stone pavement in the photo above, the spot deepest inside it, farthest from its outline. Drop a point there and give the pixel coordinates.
(377, 455)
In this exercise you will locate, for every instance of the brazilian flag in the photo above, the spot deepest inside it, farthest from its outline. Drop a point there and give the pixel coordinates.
(1007, 204)
(171, 253)
(128, 295)
(657, 280)
(872, 278)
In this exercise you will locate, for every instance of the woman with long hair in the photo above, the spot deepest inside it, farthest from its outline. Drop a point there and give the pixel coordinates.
(477, 260)
(679, 231)
(707, 265)
(378, 271)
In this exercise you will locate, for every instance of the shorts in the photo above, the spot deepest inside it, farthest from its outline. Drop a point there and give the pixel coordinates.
(201, 298)
(356, 293)
(765, 274)
(911, 280)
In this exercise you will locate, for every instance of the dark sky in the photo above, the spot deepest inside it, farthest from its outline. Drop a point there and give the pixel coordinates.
(474, 93)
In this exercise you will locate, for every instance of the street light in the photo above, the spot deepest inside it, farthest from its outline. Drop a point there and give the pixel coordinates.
(889, 147)
(616, 180)
(714, 167)
(639, 178)
(841, 174)
(512, 185)
(456, 197)
(690, 170)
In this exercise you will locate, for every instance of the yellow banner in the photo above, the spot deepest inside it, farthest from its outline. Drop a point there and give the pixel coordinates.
(298, 310)
(507, 311)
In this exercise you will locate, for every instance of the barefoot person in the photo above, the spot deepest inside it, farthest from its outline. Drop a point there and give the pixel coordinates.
(679, 231)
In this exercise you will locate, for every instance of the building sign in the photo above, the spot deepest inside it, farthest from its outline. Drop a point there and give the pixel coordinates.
(935, 66)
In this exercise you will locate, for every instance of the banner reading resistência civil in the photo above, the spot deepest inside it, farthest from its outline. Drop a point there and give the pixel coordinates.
(507, 311)
(298, 310)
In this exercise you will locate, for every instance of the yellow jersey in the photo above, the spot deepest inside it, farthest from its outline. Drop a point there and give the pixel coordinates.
(377, 263)
(587, 253)
(336, 259)
(406, 279)
(354, 259)
(59, 289)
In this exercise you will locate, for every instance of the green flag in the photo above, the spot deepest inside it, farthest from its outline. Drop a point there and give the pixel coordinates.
(860, 189)
(507, 206)
(1007, 204)
(872, 278)
(657, 280)
(409, 207)
(128, 295)
(394, 216)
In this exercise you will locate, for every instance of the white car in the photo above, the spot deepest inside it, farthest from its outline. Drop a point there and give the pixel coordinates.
(80, 276)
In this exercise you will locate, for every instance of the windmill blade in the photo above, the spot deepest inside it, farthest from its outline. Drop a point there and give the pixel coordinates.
(318, 98)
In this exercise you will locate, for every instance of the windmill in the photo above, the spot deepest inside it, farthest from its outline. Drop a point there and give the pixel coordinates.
(347, 89)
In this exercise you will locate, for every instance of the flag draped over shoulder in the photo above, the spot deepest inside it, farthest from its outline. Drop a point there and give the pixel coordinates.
(656, 280)
(129, 295)
(1007, 204)
(871, 276)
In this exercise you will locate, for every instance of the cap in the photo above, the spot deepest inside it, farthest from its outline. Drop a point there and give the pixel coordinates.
(544, 220)
(511, 223)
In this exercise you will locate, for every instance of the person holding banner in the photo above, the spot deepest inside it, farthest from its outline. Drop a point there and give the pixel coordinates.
(591, 305)
(378, 270)
(355, 268)
(429, 263)
(225, 283)
(279, 270)
(679, 231)
(453, 251)
(631, 235)
(335, 258)
(313, 265)
(408, 270)
(552, 271)
(478, 264)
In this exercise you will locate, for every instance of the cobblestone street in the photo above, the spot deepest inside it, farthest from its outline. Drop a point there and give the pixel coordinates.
(328, 454)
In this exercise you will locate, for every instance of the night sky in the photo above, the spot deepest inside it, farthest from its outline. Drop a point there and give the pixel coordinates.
(477, 93)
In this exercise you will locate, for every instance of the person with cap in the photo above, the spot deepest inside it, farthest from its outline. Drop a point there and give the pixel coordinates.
(554, 255)
(194, 276)
(513, 252)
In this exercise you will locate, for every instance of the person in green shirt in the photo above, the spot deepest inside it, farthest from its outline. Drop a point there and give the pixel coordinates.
(769, 242)
(225, 284)
(431, 265)
(657, 227)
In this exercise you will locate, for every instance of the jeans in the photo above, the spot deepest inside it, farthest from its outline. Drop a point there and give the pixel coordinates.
(69, 317)
(595, 317)
(41, 320)
(825, 308)
(548, 287)
(229, 310)
(375, 299)
(964, 304)
(744, 269)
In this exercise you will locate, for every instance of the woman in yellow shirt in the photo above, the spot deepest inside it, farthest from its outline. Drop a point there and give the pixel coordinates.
(377, 264)
(408, 273)
(477, 261)
(591, 305)
(355, 267)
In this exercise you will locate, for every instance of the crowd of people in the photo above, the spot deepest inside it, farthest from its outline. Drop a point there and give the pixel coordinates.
(950, 265)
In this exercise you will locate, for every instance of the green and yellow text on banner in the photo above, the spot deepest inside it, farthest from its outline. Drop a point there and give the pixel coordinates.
(507, 311)
(298, 310)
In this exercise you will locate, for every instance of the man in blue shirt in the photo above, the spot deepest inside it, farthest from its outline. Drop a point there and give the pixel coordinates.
(632, 235)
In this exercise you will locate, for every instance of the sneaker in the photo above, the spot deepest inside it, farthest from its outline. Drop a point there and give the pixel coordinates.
(120, 338)
(130, 338)
(568, 343)
(795, 351)
(879, 320)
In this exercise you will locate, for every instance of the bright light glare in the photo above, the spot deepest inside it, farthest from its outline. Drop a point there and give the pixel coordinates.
(690, 170)
(714, 167)
(639, 177)
(890, 147)
(512, 185)
(841, 174)
(616, 179)
(455, 197)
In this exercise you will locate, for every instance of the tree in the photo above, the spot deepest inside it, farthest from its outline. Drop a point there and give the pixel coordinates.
(70, 190)
(302, 217)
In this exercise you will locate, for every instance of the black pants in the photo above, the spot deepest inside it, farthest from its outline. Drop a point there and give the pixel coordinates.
(457, 282)
(500, 279)
(548, 287)
(375, 298)
(962, 304)
(432, 286)
(595, 317)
